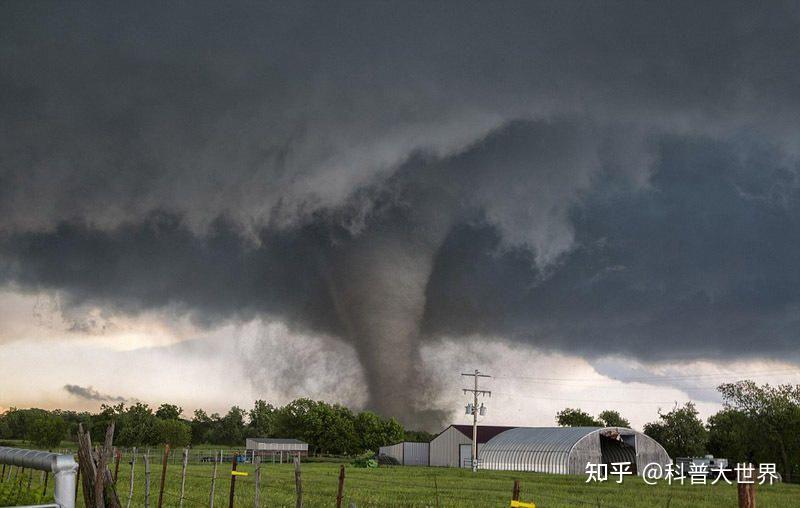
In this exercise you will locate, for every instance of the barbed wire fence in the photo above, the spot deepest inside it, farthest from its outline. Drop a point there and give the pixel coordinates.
(19, 485)
(180, 478)
(232, 484)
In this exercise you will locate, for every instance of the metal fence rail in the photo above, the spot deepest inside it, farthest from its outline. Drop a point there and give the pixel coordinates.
(63, 467)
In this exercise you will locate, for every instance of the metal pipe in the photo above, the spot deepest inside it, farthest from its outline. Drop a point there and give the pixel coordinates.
(63, 467)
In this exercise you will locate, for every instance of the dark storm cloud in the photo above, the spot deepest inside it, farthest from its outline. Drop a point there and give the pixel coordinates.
(89, 393)
(595, 178)
(701, 264)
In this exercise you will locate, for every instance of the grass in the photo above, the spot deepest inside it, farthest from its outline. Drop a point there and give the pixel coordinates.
(421, 487)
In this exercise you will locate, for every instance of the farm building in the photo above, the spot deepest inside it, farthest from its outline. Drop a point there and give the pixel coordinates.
(407, 453)
(567, 450)
(453, 446)
(263, 446)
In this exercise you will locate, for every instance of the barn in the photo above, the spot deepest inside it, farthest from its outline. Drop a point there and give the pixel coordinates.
(453, 446)
(407, 453)
(567, 450)
(272, 447)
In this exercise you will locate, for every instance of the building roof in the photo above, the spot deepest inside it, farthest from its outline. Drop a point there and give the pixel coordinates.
(557, 449)
(272, 440)
(551, 439)
(485, 432)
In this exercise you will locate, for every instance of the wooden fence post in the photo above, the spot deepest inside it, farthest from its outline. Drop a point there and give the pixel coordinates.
(117, 457)
(183, 476)
(340, 491)
(164, 462)
(213, 480)
(232, 494)
(515, 492)
(747, 490)
(257, 494)
(130, 487)
(298, 483)
(98, 486)
(147, 479)
(85, 466)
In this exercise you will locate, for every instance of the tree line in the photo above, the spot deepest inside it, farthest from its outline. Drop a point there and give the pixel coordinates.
(327, 428)
(758, 424)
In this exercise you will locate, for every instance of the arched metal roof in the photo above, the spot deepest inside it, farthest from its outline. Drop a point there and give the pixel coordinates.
(564, 450)
(544, 449)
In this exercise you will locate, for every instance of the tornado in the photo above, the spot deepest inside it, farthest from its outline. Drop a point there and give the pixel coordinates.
(378, 285)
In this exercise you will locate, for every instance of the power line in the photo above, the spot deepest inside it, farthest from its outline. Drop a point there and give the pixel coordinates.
(570, 399)
(623, 387)
(652, 377)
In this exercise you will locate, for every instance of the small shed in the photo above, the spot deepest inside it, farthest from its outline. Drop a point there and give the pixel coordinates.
(408, 453)
(567, 450)
(453, 446)
(268, 446)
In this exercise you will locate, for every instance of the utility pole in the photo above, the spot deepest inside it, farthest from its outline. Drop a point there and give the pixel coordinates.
(473, 409)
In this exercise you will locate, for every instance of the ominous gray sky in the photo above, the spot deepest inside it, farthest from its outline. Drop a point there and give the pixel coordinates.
(589, 179)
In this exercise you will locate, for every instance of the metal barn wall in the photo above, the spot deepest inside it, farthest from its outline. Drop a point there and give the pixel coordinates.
(649, 450)
(407, 453)
(444, 448)
(587, 449)
(252, 444)
(415, 454)
(395, 451)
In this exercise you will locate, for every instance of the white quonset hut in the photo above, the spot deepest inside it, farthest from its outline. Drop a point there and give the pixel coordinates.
(407, 453)
(263, 446)
(567, 450)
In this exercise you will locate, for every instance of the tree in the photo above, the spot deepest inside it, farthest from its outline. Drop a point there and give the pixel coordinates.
(418, 436)
(139, 426)
(371, 431)
(262, 419)
(201, 427)
(393, 431)
(776, 413)
(611, 418)
(73, 419)
(229, 429)
(331, 429)
(680, 432)
(100, 422)
(5, 430)
(732, 434)
(46, 430)
(169, 412)
(570, 417)
(291, 421)
(174, 432)
(18, 421)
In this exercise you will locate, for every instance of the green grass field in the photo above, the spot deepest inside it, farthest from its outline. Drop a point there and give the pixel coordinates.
(419, 486)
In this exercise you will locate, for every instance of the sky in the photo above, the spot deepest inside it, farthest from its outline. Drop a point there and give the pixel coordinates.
(204, 204)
